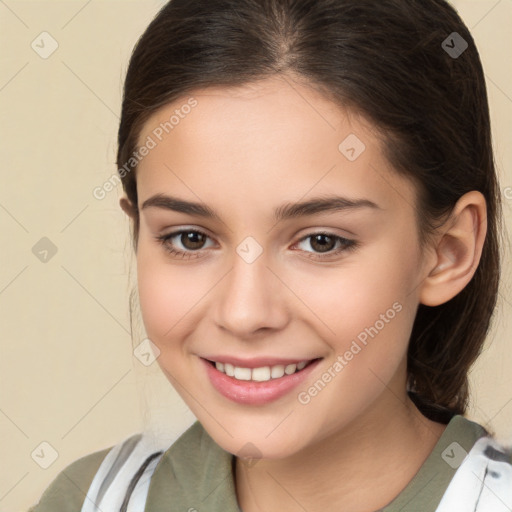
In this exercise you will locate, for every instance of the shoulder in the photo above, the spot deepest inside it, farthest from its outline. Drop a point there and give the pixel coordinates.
(69, 488)
(109, 479)
(483, 480)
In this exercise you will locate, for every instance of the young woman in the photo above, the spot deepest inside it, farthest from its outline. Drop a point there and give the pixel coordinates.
(316, 221)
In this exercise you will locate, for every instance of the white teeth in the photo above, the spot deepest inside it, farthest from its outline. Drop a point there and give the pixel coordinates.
(290, 369)
(261, 374)
(229, 370)
(277, 371)
(242, 373)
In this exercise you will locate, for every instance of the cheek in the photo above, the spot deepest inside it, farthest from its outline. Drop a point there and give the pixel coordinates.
(166, 295)
(364, 311)
(353, 297)
(365, 315)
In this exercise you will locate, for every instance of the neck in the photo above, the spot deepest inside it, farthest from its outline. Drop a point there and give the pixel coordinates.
(380, 451)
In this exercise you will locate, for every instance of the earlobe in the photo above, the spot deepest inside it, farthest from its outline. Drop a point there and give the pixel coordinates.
(458, 250)
(127, 206)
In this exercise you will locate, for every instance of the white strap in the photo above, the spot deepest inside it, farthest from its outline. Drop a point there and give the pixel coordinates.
(482, 483)
(109, 487)
(139, 496)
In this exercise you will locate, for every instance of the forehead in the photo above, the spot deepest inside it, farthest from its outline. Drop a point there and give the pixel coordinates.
(261, 141)
(276, 101)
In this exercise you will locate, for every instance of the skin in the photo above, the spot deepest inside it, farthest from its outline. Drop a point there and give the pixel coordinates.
(243, 152)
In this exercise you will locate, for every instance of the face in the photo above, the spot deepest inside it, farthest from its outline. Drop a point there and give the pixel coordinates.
(251, 281)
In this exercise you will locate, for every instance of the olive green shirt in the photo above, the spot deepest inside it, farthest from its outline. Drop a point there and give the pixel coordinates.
(196, 473)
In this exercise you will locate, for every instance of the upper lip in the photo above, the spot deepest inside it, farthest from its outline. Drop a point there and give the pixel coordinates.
(256, 362)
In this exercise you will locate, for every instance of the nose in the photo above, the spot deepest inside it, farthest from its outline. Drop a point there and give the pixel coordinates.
(251, 299)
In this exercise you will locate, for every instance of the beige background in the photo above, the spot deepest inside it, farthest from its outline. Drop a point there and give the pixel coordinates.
(67, 373)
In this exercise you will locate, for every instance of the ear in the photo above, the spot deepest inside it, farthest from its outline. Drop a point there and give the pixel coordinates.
(127, 206)
(457, 250)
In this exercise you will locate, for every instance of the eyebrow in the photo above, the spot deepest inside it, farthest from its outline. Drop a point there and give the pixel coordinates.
(285, 211)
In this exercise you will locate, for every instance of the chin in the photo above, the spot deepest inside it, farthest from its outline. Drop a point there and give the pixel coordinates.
(252, 439)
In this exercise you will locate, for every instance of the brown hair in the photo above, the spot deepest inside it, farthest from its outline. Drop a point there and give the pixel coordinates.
(387, 60)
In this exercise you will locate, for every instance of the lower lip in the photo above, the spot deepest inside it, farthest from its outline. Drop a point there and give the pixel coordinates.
(255, 393)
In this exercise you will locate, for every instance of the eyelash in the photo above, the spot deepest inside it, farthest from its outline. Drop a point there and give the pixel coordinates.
(347, 244)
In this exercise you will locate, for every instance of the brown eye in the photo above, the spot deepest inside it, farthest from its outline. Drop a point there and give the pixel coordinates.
(325, 245)
(322, 243)
(192, 240)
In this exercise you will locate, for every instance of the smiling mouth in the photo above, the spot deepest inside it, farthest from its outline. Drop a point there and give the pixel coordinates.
(263, 373)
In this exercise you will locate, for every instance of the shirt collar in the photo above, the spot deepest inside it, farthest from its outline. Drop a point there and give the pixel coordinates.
(195, 473)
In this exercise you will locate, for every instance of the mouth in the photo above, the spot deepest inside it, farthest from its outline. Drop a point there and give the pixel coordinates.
(259, 385)
(261, 373)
